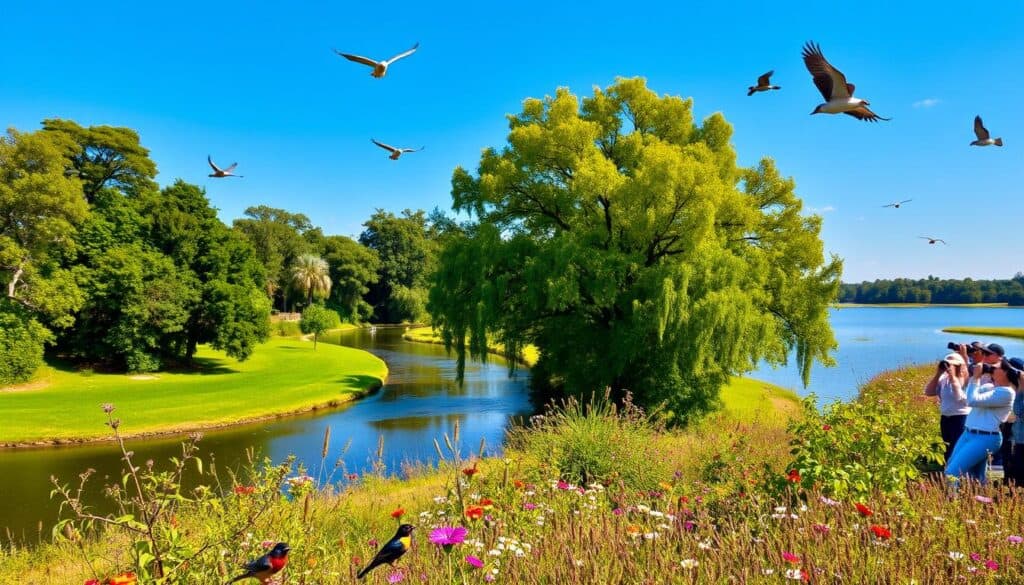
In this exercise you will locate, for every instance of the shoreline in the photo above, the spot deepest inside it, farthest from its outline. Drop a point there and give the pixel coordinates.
(921, 306)
(411, 337)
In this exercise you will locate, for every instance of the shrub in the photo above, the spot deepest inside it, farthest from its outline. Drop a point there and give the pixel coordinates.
(317, 319)
(596, 442)
(21, 344)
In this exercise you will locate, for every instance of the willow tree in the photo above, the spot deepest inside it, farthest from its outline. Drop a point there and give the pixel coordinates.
(623, 240)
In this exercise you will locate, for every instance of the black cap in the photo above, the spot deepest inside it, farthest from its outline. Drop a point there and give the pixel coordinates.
(994, 348)
(1017, 363)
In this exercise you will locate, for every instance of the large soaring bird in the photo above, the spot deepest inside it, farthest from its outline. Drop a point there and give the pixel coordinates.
(763, 84)
(380, 68)
(832, 84)
(395, 152)
(897, 204)
(932, 240)
(984, 138)
(221, 173)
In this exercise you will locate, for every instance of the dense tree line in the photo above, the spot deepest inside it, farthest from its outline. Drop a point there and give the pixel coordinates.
(102, 267)
(935, 291)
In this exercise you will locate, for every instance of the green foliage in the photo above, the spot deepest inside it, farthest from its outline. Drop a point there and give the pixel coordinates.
(279, 237)
(409, 305)
(285, 328)
(623, 241)
(935, 291)
(407, 258)
(353, 268)
(854, 449)
(596, 442)
(312, 276)
(317, 319)
(21, 343)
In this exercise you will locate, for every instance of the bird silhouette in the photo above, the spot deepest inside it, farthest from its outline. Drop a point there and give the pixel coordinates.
(221, 173)
(266, 566)
(932, 240)
(380, 68)
(832, 84)
(897, 204)
(763, 84)
(984, 138)
(395, 152)
(392, 549)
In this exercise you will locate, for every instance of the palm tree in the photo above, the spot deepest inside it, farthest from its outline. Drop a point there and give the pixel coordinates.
(311, 274)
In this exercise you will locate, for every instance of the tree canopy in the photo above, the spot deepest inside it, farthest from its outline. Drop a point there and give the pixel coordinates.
(623, 240)
(407, 258)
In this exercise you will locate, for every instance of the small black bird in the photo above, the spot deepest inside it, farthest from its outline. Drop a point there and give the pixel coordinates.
(266, 566)
(392, 550)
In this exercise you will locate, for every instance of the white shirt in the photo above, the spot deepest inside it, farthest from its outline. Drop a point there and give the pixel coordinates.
(952, 402)
(990, 405)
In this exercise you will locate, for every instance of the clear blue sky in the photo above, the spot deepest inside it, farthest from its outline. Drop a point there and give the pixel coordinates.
(256, 82)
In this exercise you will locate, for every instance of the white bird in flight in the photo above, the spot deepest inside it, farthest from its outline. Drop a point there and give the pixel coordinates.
(395, 152)
(221, 173)
(763, 84)
(932, 240)
(832, 84)
(984, 138)
(897, 204)
(380, 68)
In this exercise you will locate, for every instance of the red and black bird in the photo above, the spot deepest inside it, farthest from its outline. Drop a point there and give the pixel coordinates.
(266, 566)
(392, 550)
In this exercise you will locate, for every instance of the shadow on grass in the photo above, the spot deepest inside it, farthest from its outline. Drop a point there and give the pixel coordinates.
(361, 381)
(201, 366)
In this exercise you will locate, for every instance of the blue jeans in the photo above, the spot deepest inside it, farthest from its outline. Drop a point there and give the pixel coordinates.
(970, 456)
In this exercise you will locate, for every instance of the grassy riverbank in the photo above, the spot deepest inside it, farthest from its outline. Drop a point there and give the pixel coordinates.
(710, 504)
(283, 376)
(429, 335)
(921, 305)
(1014, 332)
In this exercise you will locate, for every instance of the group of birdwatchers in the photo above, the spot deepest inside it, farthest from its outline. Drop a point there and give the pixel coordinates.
(981, 403)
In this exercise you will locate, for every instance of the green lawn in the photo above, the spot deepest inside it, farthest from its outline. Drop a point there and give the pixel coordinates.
(1016, 332)
(283, 376)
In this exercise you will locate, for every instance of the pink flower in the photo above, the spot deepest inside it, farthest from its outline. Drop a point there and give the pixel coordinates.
(562, 485)
(828, 501)
(983, 499)
(821, 528)
(1014, 539)
(991, 565)
(448, 535)
(489, 578)
(474, 561)
(396, 577)
(529, 506)
(617, 511)
(975, 557)
(790, 558)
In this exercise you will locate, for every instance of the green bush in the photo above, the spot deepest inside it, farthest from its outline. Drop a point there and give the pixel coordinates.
(285, 328)
(596, 442)
(857, 448)
(21, 344)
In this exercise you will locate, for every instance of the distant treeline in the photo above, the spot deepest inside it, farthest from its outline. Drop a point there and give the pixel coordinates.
(935, 291)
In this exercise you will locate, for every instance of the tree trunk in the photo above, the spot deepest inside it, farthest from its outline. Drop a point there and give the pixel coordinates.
(314, 341)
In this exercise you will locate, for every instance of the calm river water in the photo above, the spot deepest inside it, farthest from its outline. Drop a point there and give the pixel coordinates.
(421, 401)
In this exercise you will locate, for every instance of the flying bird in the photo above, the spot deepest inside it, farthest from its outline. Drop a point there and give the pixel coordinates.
(832, 84)
(380, 68)
(395, 152)
(221, 173)
(984, 139)
(763, 84)
(392, 550)
(897, 204)
(932, 240)
(266, 566)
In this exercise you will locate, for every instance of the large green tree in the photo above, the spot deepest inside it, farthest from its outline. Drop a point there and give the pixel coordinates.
(624, 241)
(279, 237)
(353, 268)
(407, 259)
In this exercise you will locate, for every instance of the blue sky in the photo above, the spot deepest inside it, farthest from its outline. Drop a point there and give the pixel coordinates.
(256, 82)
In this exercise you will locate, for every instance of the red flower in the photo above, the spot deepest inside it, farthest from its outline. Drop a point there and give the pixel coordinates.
(881, 532)
(244, 490)
(123, 579)
(864, 510)
(487, 503)
(92, 582)
(791, 558)
(518, 484)
(474, 512)
(793, 476)
(826, 427)
(470, 471)
(398, 513)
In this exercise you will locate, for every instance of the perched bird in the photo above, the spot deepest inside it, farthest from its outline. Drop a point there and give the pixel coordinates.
(266, 566)
(984, 139)
(897, 204)
(380, 68)
(221, 173)
(832, 84)
(392, 550)
(932, 240)
(763, 84)
(396, 152)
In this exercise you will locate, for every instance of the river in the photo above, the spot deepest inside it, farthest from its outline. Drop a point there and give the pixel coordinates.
(421, 401)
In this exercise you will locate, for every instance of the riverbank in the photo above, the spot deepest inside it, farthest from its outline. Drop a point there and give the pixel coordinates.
(283, 377)
(427, 334)
(921, 305)
(1014, 332)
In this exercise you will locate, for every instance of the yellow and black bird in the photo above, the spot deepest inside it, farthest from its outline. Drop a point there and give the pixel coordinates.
(392, 550)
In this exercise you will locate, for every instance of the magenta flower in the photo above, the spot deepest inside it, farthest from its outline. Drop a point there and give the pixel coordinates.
(983, 499)
(474, 561)
(991, 565)
(489, 578)
(396, 577)
(562, 485)
(689, 526)
(448, 536)
(790, 558)
(617, 511)
(975, 557)
(821, 528)
(529, 506)
(1014, 539)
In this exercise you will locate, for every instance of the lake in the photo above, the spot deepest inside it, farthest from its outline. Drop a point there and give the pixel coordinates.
(421, 401)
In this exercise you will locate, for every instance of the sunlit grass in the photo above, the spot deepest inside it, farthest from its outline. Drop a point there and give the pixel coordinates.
(1014, 332)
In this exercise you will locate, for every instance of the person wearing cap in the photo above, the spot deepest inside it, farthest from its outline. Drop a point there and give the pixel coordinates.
(993, 353)
(990, 404)
(948, 384)
(1013, 465)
